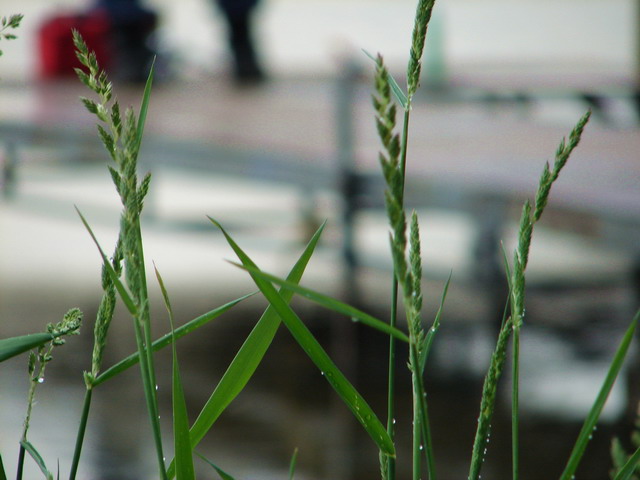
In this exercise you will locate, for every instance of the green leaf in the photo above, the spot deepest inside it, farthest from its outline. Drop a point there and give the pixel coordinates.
(3, 474)
(629, 467)
(165, 340)
(144, 106)
(596, 409)
(395, 88)
(10, 347)
(354, 401)
(248, 357)
(292, 464)
(330, 303)
(431, 333)
(124, 294)
(30, 449)
(223, 475)
(182, 444)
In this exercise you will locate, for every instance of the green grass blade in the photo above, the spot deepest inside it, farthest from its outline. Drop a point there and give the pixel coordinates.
(3, 474)
(515, 404)
(10, 347)
(629, 467)
(249, 356)
(596, 409)
(395, 88)
(431, 333)
(354, 401)
(144, 106)
(292, 464)
(330, 303)
(35, 455)
(223, 475)
(165, 340)
(182, 443)
(124, 294)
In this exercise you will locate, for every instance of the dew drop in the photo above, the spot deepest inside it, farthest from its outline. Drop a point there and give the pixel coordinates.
(393, 421)
(40, 379)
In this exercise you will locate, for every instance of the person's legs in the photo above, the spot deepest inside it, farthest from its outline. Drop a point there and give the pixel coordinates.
(247, 69)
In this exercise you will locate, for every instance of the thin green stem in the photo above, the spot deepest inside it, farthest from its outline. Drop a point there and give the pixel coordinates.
(81, 432)
(393, 320)
(20, 463)
(420, 399)
(403, 148)
(515, 396)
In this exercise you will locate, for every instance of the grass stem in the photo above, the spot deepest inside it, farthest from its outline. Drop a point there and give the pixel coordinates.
(86, 406)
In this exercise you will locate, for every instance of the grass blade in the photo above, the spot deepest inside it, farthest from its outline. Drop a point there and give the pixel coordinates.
(330, 303)
(354, 401)
(124, 294)
(223, 475)
(10, 347)
(596, 409)
(182, 443)
(249, 356)
(431, 333)
(3, 474)
(292, 464)
(144, 106)
(165, 340)
(629, 467)
(30, 449)
(395, 88)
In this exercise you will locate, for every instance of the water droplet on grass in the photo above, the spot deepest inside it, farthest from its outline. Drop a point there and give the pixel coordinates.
(40, 379)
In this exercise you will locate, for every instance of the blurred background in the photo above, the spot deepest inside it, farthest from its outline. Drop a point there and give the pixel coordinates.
(271, 133)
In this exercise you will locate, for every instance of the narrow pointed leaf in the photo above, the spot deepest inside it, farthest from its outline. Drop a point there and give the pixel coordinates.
(182, 444)
(395, 88)
(431, 333)
(124, 294)
(10, 347)
(3, 474)
(629, 467)
(144, 106)
(223, 475)
(596, 409)
(165, 340)
(35, 455)
(330, 303)
(292, 464)
(354, 401)
(249, 356)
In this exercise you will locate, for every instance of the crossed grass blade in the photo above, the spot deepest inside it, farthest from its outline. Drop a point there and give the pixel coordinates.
(248, 357)
(594, 414)
(329, 302)
(182, 443)
(167, 339)
(353, 400)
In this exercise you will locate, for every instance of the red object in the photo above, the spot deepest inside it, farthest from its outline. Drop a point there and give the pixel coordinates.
(55, 42)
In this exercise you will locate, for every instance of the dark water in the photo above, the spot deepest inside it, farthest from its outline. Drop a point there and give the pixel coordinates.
(289, 405)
